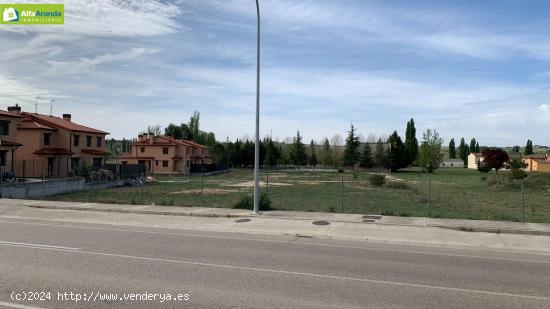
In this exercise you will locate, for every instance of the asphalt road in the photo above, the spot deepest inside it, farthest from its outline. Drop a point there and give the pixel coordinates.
(227, 270)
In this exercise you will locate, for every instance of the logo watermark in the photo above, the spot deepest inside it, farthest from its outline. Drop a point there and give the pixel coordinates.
(32, 14)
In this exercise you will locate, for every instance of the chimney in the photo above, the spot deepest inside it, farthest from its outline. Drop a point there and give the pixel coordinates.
(151, 138)
(140, 137)
(67, 117)
(14, 109)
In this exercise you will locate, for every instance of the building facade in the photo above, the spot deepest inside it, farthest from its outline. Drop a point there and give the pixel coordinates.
(451, 163)
(8, 141)
(55, 146)
(163, 155)
(537, 163)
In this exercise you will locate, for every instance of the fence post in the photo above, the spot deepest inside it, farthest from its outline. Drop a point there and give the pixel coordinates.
(429, 197)
(267, 186)
(24, 165)
(522, 202)
(202, 184)
(142, 184)
(342, 194)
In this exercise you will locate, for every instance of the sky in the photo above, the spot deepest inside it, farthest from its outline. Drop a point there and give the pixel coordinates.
(465, 68)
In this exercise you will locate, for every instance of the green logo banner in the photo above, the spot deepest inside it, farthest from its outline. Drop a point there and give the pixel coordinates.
(32, 14)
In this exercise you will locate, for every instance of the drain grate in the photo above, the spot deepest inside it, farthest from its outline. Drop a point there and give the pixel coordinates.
(321, 222)
(372, 217)
(242, 220)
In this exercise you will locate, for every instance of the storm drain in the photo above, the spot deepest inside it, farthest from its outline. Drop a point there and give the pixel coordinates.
(321, 222)
(242, 220)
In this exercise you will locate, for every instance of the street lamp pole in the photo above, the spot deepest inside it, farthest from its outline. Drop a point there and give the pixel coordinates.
(257, 142)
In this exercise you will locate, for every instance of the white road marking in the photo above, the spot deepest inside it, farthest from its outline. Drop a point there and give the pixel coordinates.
(14, 305)
(300, 243)
(302, 274)
(24, 244)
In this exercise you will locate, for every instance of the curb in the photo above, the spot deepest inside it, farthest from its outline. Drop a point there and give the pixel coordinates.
(492, 230)
(141, 212)
(217, 215)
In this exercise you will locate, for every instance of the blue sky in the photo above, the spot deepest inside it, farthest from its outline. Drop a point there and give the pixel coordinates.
(465, 68)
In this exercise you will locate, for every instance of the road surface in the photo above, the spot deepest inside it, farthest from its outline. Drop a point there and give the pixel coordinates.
(148, 267)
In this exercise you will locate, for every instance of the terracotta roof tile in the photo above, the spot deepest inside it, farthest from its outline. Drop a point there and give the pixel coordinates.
(95, 152)
(53, 151)
(61, 123)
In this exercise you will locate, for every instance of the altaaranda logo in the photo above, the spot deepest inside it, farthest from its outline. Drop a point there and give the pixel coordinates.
(10, 14)
(32, 14)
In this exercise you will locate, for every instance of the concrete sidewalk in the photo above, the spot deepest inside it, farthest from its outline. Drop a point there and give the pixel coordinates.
(455, 224)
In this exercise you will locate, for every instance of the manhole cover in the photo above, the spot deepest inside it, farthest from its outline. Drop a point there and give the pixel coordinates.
(321, 222)
(242, 220)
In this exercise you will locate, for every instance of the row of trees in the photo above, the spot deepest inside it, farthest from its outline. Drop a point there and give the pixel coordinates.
(463, 149)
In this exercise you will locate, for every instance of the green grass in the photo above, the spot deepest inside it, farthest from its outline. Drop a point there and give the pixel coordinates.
(455, 193)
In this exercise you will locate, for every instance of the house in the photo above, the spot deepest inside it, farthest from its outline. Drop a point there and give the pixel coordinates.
(55, 146)
(165, 155)
(8, 143)
(474, 159)
(537, 163)
(451, 163)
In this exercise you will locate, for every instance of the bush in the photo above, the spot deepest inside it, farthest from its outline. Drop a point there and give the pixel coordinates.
(517, 174)
(400, 185)
(340, 170)
(377, 180)
(247, 202)
(484, 168)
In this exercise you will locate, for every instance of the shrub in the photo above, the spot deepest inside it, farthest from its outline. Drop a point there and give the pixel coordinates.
(377, 180)
(484, 168)
(340, 170)
(517, 174)
(247, 202)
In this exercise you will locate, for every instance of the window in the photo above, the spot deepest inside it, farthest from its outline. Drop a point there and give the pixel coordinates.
(97, 163)
(3, 158)
(165, 150)
(98, 141)
(165, 163)
(4, 127)
(142, 149)
(88, 141)
(157, 162)
(47, 139)
(76, 140)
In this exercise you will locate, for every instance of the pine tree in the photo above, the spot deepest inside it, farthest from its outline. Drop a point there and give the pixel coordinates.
(398, 156)
(477, 147)
(463, 151)
(411, 143)
(380, 159)
(298, 155)
(452, 149)
(327, 158)
(351, 152)
(312, 154)
(473, 145)
(368, 160)
(528, 148)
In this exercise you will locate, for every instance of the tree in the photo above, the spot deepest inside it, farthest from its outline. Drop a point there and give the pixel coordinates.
(515, 149)
(380, 158)
(298, 155)
(272, 153)
(397, 157)
(351, 152)
(367, 160)
(463, 151)
(411, 143)
(528, 148)
(326, 157)
(312, 154)
(473, 146)
(194, 123)
(494, 158)
(430, 151)
(452, 149)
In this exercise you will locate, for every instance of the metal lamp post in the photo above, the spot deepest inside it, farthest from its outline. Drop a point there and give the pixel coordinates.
(257, 142)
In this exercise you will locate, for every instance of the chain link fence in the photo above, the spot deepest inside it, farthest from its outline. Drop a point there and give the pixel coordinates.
(460, 194)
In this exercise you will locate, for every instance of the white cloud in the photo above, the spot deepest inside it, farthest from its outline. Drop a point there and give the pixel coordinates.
(85, 64)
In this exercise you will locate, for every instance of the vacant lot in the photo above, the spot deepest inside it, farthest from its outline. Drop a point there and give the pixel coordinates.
(455, 193)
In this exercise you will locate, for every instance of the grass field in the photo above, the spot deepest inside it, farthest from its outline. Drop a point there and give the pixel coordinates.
(455, 193)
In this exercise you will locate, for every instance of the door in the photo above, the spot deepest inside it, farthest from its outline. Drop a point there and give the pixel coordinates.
(49, 171)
